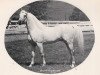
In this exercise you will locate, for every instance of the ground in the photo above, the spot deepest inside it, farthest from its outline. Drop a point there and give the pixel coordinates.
(56, 54)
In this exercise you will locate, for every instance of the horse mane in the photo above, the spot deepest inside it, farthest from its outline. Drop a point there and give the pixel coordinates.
(37, 22)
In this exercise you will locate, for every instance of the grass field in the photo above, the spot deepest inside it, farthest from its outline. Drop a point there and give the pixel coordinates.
(56, 54)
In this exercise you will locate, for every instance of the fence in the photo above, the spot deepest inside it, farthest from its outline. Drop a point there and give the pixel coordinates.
(14, 28)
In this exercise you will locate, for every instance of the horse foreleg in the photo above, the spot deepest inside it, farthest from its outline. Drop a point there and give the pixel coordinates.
(72, 55)
(33, 46)
(32, 61)
(40, 45)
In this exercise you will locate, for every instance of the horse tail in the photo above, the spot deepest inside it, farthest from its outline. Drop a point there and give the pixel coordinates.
(79, 38)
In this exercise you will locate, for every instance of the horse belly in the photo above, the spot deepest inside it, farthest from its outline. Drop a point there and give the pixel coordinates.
(52, 35)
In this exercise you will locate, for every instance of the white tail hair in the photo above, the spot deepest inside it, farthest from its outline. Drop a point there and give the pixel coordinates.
(80, 40)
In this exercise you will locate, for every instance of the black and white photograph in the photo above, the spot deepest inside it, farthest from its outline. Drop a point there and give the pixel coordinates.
(49, 37)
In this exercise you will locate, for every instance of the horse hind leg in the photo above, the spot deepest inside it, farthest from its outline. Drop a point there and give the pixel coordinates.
(72, 55)
(40, 45)
(70, 46)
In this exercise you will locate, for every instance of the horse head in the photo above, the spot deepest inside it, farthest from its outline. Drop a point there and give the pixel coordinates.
(22, 17)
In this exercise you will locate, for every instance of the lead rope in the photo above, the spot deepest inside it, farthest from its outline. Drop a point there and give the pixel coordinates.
(28, 33)
(27, 28)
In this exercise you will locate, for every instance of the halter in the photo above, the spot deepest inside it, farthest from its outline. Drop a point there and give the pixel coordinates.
(25, 21)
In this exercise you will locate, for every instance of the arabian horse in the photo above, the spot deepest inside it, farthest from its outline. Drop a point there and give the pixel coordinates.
(40, 34)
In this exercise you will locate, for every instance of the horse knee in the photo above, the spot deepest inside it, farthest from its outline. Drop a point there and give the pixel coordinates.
(42, 54)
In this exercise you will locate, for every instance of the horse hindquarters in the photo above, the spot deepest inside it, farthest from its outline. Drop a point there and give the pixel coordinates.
(68, 40)
(69, 37)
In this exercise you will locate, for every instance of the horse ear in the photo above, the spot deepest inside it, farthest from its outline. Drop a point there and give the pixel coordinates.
(21, 9)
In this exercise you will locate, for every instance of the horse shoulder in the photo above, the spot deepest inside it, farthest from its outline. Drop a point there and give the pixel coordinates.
(36, 33)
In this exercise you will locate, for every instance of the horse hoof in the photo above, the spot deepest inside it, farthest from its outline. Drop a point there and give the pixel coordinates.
(72, 66)
(30, 66)
(43, 65)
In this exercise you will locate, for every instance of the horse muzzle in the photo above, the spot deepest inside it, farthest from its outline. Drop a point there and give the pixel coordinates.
(19, 22)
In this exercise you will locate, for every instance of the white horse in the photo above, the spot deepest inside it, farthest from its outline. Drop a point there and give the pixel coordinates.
(40, 33)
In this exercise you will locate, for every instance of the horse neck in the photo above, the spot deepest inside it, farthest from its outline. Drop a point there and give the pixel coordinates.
(33, 22)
